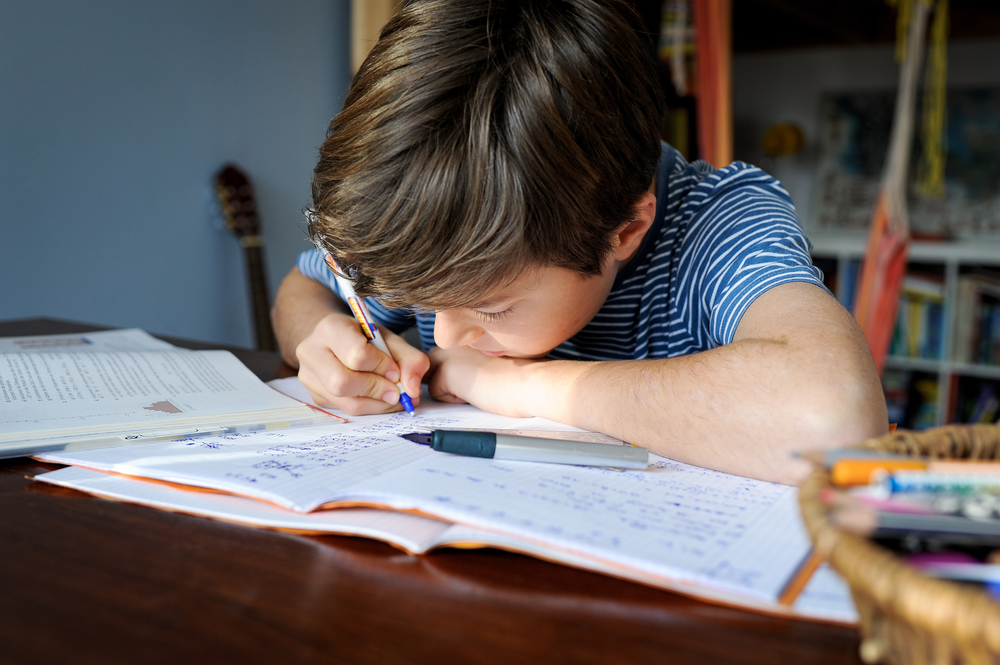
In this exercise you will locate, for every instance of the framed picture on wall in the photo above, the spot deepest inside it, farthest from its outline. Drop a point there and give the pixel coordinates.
(854, 138)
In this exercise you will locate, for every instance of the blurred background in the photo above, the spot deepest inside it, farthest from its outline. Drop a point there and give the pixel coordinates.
(115, 115)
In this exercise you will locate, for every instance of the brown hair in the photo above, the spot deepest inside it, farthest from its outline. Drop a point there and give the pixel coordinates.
(481, 138)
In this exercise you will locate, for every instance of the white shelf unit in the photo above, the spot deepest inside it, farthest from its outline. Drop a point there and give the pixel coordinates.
(952, 256)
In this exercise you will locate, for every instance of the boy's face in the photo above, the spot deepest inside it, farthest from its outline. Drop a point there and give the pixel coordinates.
(545, 306)
(528, 318)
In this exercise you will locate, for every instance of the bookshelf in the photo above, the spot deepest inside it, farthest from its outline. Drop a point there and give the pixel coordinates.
(950, 388)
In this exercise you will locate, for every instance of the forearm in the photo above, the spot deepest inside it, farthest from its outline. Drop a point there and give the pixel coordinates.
(726, 409)
(300, 304)
(740, 408)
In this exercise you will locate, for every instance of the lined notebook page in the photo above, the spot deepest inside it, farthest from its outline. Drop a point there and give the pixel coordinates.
(825, 597)
(673, 519)
(414, 533)
(300, 468)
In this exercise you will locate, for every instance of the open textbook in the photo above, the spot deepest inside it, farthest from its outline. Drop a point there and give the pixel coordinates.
(116, 387)
(716, 536)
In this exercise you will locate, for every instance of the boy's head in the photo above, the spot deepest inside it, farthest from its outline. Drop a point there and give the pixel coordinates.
(482, 139)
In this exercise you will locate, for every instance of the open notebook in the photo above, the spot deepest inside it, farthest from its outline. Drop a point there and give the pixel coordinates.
(716, 536)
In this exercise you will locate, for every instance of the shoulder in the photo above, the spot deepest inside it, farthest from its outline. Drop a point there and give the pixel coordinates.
(738, 192)
(310, 263)
(704, 212)
(741, 237)
(740, 206)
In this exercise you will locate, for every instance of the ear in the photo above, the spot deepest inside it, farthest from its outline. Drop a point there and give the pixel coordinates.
(630, 234)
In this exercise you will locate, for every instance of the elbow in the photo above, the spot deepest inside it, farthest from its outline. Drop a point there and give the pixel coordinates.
(846, 401)
(846, 411)
(839, 412)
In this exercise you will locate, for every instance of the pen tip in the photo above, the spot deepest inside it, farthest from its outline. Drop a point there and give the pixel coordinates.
(407, 403)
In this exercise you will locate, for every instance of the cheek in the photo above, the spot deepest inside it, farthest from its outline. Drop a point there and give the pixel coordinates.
(542, 334)
(539, 326)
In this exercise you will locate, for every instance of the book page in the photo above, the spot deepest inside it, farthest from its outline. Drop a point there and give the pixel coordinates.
(57, 390)
(673, 520)
(414, 533)
(826, 596)
(298, 469)
(129, 339)
(461, 416)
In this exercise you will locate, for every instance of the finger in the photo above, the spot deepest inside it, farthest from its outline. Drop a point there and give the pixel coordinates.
(364, 406)
(355, 406)
(444, 396)
(437, 385)
(344, 338)
(329, 379)
(349, 384)
(413, 363)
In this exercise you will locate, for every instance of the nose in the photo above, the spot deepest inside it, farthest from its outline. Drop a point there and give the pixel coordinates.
(452, 329)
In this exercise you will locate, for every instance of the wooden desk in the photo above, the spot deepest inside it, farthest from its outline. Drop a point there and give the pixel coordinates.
(85, 580)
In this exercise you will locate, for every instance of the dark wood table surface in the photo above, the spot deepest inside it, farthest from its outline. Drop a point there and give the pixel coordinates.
(86, 580)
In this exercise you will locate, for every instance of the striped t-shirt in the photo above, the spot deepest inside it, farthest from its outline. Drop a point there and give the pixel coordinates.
(720, 239)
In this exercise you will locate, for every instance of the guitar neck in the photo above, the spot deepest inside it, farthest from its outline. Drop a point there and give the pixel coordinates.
(236, 199)
(263, 333)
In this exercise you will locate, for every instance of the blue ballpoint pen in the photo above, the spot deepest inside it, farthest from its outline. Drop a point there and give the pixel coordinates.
(368, 326)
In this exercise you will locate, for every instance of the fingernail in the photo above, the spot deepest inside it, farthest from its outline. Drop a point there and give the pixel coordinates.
(390, 397)
(392, 375)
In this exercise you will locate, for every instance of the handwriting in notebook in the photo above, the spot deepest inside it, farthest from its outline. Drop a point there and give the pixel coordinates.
(687, 521)
(687, 518)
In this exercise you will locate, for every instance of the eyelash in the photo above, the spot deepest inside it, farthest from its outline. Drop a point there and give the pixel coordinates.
(493, 317)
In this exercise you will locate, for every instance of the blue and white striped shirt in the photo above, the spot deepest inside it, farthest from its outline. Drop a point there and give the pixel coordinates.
(720, 239)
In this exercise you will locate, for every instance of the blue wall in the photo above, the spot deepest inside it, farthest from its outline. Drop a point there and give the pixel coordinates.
(115, 114)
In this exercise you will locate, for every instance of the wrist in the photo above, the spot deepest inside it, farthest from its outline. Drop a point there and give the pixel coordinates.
(548, 387)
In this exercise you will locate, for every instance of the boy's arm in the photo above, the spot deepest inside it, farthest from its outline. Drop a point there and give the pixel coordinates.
(299, 305)
(317, 334)
(797, 376)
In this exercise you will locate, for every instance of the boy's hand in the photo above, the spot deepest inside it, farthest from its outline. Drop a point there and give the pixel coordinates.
(497, 385)
(341, 369)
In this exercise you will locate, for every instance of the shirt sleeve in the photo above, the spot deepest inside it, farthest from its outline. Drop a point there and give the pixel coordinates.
(744, 239)
(311, 264)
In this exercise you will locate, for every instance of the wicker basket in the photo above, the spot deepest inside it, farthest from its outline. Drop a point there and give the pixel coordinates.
(907, 617)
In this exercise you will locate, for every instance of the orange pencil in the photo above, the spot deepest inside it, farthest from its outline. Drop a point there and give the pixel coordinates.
(848, 472)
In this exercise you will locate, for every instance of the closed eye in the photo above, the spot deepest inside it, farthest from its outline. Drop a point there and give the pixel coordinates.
(493, 317)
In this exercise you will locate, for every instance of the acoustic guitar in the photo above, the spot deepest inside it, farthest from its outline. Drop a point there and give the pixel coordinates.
(239, 210)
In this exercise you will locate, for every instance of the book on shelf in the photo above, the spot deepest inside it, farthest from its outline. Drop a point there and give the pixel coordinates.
(911, 398)
(977, 319)
(896, 387)
(847, 283)
(974, 400)
(920, 321)
(711, 535)
(987, 405)
(125, 386)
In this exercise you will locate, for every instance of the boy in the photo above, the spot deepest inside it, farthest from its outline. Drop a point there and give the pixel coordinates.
(497, 177)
